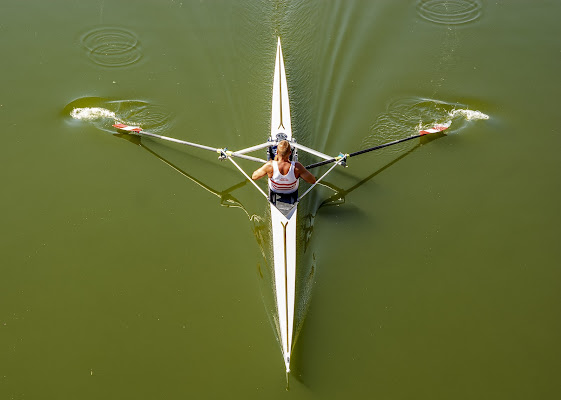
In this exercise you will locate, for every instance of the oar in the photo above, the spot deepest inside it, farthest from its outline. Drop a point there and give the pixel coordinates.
(136, 130)
(435, 129)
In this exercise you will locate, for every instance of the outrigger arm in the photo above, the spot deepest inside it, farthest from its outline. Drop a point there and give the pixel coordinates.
(226, 154)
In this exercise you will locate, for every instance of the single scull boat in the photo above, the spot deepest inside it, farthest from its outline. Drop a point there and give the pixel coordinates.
(283, 215)
(283, 221)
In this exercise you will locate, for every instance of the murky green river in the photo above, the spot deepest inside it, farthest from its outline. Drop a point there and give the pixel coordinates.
(138, 269)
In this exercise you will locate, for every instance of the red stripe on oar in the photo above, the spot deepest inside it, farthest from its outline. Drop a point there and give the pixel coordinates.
(128, 128)
(437, 128)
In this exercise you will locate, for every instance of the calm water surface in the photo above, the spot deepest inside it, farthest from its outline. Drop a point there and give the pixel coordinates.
(139, 269)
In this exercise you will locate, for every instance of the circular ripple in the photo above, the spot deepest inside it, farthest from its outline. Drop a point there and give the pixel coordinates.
(449, 12)
(112, 47)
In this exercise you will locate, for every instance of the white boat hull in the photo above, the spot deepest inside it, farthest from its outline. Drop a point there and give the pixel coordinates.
(284, 259)
(280, 116)
(283, 227)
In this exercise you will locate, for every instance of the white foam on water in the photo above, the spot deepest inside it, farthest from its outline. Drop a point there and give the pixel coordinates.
(92, 113)
(469, 115)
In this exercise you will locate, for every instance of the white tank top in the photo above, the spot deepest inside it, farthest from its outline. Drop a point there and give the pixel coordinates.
(280, 183)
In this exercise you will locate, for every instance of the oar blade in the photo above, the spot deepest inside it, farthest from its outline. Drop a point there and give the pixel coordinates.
(436, 128)
(128, 128)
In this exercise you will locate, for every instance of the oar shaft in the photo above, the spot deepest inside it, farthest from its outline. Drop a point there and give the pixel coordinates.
(319, 164)
(311, 151)
(170, 139)
(356, 153)
(245, 157)
(437, 128)
(254, 148)
(138, 131)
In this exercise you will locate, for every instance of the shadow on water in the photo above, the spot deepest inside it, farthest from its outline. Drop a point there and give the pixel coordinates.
(260, 228)
(107, 111)
(306, 277)
(261, 232)
(338, 198)
(225, 196)
(307, 260)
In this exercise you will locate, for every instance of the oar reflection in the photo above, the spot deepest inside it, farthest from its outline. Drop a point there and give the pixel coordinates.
(339, 197)
(260, 229)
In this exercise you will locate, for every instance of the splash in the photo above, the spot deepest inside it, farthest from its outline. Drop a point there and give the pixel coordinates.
(92, 114)
(103, 113)
(469, 115)
(409, 115)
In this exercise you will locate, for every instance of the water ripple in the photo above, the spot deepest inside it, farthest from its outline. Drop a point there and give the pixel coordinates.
(112, 47)
(406, 116)
(449, 12)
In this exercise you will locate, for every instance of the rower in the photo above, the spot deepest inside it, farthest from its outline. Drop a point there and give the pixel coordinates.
(283, 175)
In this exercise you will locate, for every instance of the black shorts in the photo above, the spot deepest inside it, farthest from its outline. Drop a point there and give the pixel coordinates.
(288, 198)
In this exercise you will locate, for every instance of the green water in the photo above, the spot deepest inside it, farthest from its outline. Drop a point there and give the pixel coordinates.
(432, 272)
